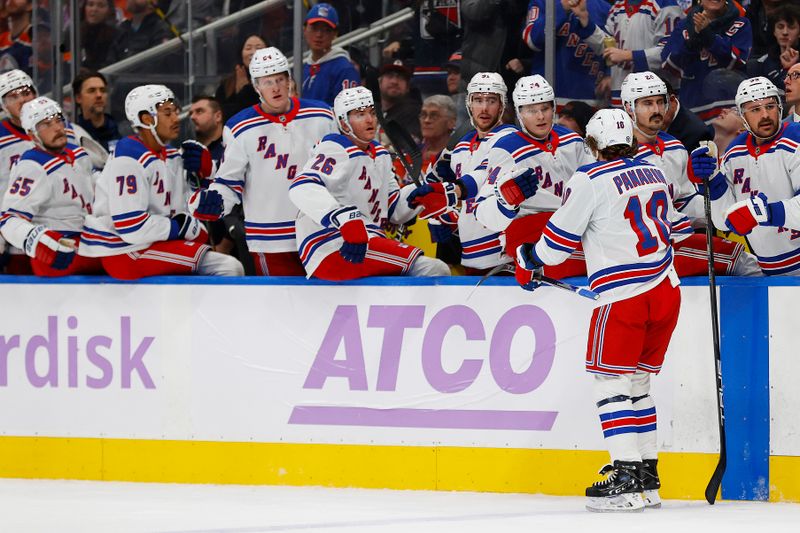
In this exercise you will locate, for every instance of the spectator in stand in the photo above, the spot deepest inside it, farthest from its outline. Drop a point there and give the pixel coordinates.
(427, 40)
(575, 115)
(491, 40)
(15, 44)
(578, 70)
(454, 89)
(98, 32)
(398, 102)
(236, 92)
(638, 28)
(437, 120)
(206, 116)
(329, 69)
(758, 13)
(784, 49)
(91, 96)
(683, 124)
(142, 31)
(792, 92)
(714, 35)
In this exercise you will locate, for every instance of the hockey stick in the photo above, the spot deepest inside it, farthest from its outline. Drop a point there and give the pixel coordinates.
(719, 471)
(509, 268)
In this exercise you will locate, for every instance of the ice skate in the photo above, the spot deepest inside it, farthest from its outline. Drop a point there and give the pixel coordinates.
(621, 491)
(650, 484)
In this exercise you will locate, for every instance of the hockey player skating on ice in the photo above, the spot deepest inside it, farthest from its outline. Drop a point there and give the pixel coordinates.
(51, 192)
(620, 209)
(644, 98)
(139, 226)
(265, 147)
(347, 193)
(539, 159)
(482, 248)
(754, 193)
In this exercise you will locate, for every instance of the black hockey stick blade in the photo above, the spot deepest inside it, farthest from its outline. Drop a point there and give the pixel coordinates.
(404, 143)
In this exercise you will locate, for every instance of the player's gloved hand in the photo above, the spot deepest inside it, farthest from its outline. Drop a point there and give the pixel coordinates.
(443, 168)
(435, 198)
(350, 223)
(529, 269)
(703, 168)
(439, 232)
(196, 158)
(206, 205)
(515, 190)
(743, 216)
(48, 247)
(185, 227)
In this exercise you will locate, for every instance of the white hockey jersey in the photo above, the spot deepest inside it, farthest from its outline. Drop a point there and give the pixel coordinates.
(554, 162)
(13, 143)
(669, 154)
(55, 191)
(135, 195)
(263, 154)
(340, 174)
(621, 212)
(642, 28)
(481, 247)
(772, 169)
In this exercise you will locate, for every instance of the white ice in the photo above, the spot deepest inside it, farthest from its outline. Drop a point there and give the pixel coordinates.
(89, 507)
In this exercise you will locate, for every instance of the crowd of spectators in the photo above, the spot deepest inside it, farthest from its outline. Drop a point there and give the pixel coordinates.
(701, 49)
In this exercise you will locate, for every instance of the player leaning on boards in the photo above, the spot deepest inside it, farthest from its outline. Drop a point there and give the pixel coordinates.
(139, 226)
(620, 210)
(51, 193)
(265, 146)
(347, 192)
(534, 165)
(644, 98)
(464, 171)
(754, 192)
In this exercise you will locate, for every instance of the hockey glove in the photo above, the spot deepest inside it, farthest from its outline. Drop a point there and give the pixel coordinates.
(185, 227)
(443, 168)
(196, 158)
(435, 199)
(439, 232)
(743, 216)
(48, 247)
(515, 190)
(350, 223)
(529, 269)
(703, 167)
(206, 205)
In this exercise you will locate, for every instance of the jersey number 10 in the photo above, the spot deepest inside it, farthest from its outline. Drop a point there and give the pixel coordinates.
(655, 210)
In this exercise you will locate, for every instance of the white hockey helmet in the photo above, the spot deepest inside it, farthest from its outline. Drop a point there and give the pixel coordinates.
(146, 99)
(349, 100)
(532, 90)
(609, 127)
(13, 80)
(640, 85)
(37, 110)
(268, 61)
(755, 89)
(487, 83)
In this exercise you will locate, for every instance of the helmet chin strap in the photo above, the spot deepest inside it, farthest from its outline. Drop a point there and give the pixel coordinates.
(352, 133)
(155, 134)
(529, 134)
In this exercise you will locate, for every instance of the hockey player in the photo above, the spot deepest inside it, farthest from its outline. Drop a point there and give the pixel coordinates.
(50, 194)
(638, 29)
(644, 98)
(265, 146)
(578, 70)
(539, 159)
(482, 248)
(346, 193)
(139, 226)
(754, 193)
(620, 209)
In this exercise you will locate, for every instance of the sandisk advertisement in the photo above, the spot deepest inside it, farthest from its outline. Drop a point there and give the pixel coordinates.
(358, 364)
